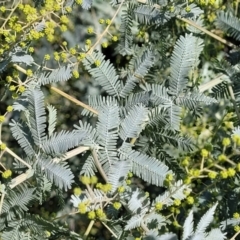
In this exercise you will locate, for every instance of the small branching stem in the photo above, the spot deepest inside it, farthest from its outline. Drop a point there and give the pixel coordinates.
(106, 30)
(1, 202)
(235, 235)
(10, 14)
(202, 164)
(20, 69)
(229, 44)
(224, 41)
(98, 164)
(234, 101)
(85, 236)
(109, 229)
(16, 156)
(144, 227)
(72, 99)
(72, 153)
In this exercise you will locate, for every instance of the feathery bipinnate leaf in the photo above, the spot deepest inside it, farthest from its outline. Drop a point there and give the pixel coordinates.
(107, 129)
(195, 11)
(215, 234)
(149, 15)
(11, 233)
(142, 64)
(107, 126)
(182, 60)
(157, 117)
(126, 37)
(133, 222)
(105, 73)
(22, 57)
(89, 167)
(168, 236)
(37, 224)
(37, 115)
(59, 173)
(86, 4)
(118, 173)
(97, 102)
(63, 73)
(90, 133)
(61, 142)
(206, 219)
(23, 136)
(140, 98)
(138, 202)
(160, 97)
(155, 220)
(134, 122)
(194, 99)
(52, 119)
(172, 137)
(228, 23)
(148, 168)
(200, 233)
(229, 222)
(188, 226)
(176, 191)
(16, 201)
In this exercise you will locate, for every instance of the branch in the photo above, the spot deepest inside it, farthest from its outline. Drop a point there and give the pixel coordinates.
(71, 153)
(212, 83)
(16, 156)
(190, 22)
(73, 100)
(88, 229)
(224, 41)
(21, 178)
(98, 164)
(1, 202)
(106, 30)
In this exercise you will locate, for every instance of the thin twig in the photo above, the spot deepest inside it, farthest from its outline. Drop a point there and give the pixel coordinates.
(74, 100)
(88, 229)
(144, 227)
(207, 86)
(1, 202)
(20, 69)
(9, 16)
(98, 164)
(19, 179)
(224, 41)
(234, 101)
(106, 30)
(71, 154)
(109, 229)
(231, 45)
(235, 235)
(17, 157)
(202, 164)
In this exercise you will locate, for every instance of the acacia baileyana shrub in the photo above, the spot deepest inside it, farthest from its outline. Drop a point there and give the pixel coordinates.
(119, 119)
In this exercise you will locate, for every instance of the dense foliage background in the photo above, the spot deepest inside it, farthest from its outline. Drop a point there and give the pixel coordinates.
(147, 43)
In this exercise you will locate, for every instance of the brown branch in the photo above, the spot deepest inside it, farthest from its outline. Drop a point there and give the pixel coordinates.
(72, 99)
(224, 41)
